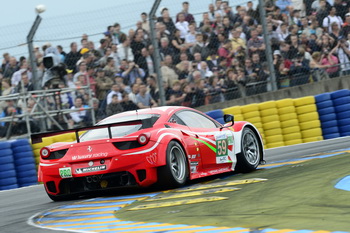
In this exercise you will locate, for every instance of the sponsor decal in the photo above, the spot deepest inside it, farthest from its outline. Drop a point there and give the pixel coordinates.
(90, 156)
(194, 167)
(65, 172)
(91, 163)
(90, 169)
(89, 148)
(152, 159)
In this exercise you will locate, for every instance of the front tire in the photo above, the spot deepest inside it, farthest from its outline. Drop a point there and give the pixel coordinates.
(175, 172)
(249, 158)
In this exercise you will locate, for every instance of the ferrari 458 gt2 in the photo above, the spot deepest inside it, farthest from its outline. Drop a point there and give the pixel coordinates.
(166, 145)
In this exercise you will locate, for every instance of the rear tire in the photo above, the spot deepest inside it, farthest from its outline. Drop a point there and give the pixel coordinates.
(250, 156)
(175, 172)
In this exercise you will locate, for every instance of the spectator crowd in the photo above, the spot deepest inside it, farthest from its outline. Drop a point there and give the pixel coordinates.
(217, 58)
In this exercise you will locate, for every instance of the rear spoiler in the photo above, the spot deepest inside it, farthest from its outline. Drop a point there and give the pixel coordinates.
(146, 123)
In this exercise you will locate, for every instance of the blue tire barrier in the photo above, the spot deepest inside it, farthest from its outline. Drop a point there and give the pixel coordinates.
(328, 124)
(345, 121)
(7, 166)
(5, 152)
(342, 108)
(8, 174)
(27, 154)
(26, 167)
(324, 104)
(27, 180)
(325, 111)
(6, 187)
(345, 134)
(330, 136)
(322, 97)
(21, 149)
(220, 120)
(340, 93)
(5, 145)
(215, 113)
(344, 128)
(8, 181)
(342, 100)
(29, 173)
(20, 142)
(328, 117)
(6, 159)
(330, 130)
(343, 115)
(24, 161)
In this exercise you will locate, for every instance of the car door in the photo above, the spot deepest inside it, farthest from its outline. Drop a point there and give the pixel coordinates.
(215, 143)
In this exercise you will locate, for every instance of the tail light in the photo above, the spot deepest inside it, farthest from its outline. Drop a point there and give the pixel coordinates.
(45, 152)
(143, 139)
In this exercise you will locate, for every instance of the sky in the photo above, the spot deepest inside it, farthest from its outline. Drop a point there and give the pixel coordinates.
(11, 13)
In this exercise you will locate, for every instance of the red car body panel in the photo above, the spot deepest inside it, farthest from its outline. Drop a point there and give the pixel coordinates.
(99, 158)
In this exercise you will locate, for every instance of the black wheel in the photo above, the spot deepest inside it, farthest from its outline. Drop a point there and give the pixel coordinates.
(175, 172)
(249, 158)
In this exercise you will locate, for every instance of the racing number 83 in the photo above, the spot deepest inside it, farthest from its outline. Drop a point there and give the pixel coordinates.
(221, 147)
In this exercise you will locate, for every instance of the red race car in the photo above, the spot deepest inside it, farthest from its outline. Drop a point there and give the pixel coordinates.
(166, 145)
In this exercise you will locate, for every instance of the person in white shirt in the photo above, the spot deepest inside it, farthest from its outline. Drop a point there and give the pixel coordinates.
(182, 25)
(331, 18)
(124, 49)
(16, 77)
(115, 91)
(78, 116)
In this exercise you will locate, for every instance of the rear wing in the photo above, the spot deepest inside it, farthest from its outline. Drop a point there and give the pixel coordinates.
(146, 123)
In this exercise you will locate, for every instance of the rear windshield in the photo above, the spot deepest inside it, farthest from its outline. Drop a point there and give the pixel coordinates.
(119, 130)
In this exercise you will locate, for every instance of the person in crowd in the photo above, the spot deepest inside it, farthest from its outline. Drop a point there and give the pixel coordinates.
(132, 72)
(77, 117)
(144, 99)
(114, 106)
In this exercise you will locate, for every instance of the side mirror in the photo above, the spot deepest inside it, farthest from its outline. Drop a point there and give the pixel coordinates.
(229, 118)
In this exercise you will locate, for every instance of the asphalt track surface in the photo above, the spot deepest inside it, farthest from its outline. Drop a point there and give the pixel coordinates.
(17, 206)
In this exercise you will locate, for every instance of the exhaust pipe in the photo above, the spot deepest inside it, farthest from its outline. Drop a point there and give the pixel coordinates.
(95, 179)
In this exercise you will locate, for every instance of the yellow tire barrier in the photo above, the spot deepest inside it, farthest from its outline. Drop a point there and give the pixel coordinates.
(311, 133)
(268, 119)
(249, 108)
(251, 114)
(310, 125)
(239, 117)
(306, 109)
(275, 144)
(286, 110)
(284, 103)
(272, 139)
(312, 116)
(312, 139)
(268, 112)
(267, 105)
(272, 125)
(292, 129)
(253, 120)
(293, 142)
(292, 136)
(45, 142)
(304, 101)
(288, 116)
(272, 132)
(290, 123)
(233, 110)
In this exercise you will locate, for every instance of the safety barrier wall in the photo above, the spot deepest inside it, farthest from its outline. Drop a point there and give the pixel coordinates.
(281, 123)
(293, 121)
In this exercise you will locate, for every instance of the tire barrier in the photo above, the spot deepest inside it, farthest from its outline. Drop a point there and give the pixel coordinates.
(271, 124)
(217, 115)
(24, 162)
(8, 178)
(341, 102)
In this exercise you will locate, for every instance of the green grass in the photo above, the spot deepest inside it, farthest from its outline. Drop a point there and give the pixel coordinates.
(300, 196)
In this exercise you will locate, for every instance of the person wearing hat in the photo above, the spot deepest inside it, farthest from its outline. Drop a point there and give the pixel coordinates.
(345, 29)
